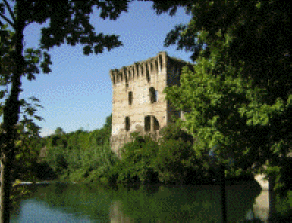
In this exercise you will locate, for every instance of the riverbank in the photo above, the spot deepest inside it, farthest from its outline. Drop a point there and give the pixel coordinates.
(16, 183)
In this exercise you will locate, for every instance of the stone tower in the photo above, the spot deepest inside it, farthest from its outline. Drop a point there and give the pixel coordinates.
(139, 104)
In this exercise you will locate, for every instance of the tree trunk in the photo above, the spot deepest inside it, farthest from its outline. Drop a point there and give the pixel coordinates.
(6, 186)
(223, 195)
(11, 113)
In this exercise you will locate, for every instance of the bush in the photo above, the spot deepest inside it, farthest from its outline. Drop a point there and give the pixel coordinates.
(44, 172)
(172, 160)
(175, 162)
(136, 161)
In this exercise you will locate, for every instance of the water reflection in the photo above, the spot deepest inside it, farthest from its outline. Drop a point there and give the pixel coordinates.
(187, 204)
(90, 203)
(117, 215)
(261, 206)
(37, 211)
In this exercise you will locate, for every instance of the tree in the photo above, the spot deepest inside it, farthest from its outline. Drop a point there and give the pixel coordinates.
(69, 21)
(101, 136)
(239, 94)
(175, 162)
(59, 131)
(26, 154)
(23, 129)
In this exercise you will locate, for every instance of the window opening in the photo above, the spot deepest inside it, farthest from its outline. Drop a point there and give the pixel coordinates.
(160, 62)
(156, 124)
(127, 123)
(152, 94)
(147, 123)
(130, 97)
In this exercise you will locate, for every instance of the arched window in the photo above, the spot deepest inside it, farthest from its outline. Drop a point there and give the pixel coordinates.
(127, 123)
(151, 123)
(130, 97)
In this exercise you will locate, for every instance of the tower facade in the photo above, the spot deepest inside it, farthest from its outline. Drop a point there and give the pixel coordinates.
(138, 102)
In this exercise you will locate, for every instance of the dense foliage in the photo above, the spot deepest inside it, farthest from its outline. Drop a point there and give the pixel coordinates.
(171, 160)
(80, 155)
(239, 93)
(87, 157)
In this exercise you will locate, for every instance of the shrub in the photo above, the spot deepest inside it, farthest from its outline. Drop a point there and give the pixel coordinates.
(136, 161)
(175, 162)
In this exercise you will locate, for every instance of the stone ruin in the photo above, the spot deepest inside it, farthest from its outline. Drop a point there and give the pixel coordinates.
(138, 103)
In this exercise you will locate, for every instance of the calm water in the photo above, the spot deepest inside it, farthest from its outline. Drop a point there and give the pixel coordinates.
(91, 203)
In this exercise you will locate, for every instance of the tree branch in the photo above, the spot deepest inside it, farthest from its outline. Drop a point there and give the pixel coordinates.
(7, 20)
(10, 10)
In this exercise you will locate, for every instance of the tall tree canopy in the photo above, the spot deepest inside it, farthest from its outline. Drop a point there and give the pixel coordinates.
(68, 23)
(239, 94)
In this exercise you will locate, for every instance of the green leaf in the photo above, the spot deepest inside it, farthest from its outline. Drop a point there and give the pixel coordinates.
(2, 93)
(39, 118)
(87, 50)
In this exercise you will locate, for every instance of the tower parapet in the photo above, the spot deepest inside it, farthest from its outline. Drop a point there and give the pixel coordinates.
(142, 69)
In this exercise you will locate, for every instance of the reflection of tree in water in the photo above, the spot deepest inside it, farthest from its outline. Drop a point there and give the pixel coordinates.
(60, 188)
(17, 193)
(255, 220)
(151, 189)
(187, 203)
(79, 200)
(240, 198)
(149, 203)
(116, 215)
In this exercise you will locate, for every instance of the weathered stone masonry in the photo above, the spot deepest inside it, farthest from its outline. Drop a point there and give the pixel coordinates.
(138, 101)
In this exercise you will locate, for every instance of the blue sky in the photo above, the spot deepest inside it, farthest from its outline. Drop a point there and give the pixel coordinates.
(78, 91)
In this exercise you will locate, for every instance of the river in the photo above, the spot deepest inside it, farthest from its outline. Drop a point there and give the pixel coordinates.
(93, 203)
